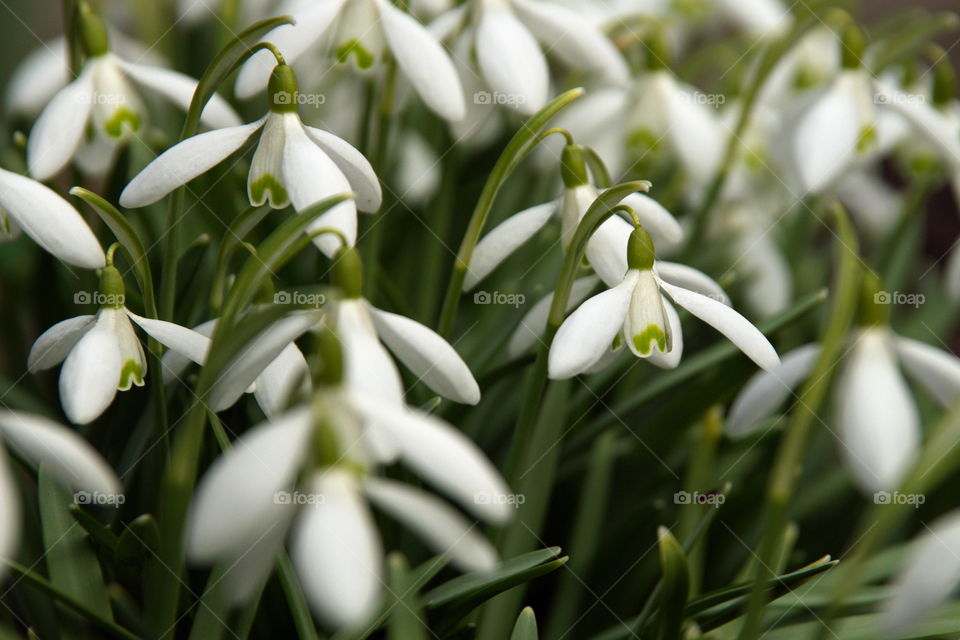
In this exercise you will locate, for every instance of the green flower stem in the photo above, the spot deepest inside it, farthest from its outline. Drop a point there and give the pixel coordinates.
(517, 149)
(790, 455)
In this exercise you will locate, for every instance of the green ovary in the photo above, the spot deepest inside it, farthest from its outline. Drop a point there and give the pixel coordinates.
(114, 126)
(132, 373)
(363, 57)
(651, 335)
(867, 139)
(267, 183)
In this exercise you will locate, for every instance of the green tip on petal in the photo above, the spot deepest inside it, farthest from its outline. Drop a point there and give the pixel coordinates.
(131, 374)
(360, 53)
(123, 118)
(348, 272)
(282, 89)
(573, 167)
(652, 335)
(92, 31)
(267, 184)
(640, 252)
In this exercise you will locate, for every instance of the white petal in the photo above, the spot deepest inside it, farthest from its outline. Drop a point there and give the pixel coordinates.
(291, 39)
(55, 343)
(575, 41)
(929, 576)
(681, 275)
(659, 223)
(670, 359)
(174, 364)
(247, 573)
(183, 162)
(179, 89)
(588, 332)
(762, 18)
(9, 512)
(255, 357)
(731, 324)
(91, 373)
(67, 456)
(607, 250)
(445, 457)
(428, 356)
(134, 361)
(280, 380)
(337, 552)
(767, 390)
(49, 220)
(424, 61)
(695, 133)
(937, 370)
(504, 239)
(38, 77)
(57, 133)
(237, 499)
(511, 61)
(534, 323)
(363, 180)
(769, 283)
(180, 339)
(441, 527)
(878, 421)
(933, 126)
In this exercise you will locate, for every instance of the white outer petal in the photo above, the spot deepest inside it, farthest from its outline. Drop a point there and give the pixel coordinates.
(607, 250)
(681, 275)
(930, 574)
(659, 223)
(235, 502)
(443, 456)
(511, 61)
(424, 61)
(337, 553)
(280, 380)
(50, 220)
(937, 370)
(57, 133)
(354, 165)
(766, 390)
(55, 343)
(9, 512)
(587, 333)
(731, 324)
(91, 373)
(504, 239)
(877, 419)
(431, 358)
(441, 527)
(179, 89)
(183, 162)
(534, 323)
(38, 77)
(184, 341)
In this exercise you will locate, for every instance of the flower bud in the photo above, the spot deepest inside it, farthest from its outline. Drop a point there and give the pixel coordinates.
(640, 252)
(111, 287)
(282, 89)
(573, 167)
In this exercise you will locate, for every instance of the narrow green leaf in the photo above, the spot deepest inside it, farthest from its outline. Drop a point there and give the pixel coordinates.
(675, 578)
(526, 627)
(138, 543)
(406, 617)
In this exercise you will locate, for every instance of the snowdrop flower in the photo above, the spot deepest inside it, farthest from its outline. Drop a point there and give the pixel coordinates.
(103, 95)
(606, 249)
(762, 18)
(63, 453)
(507, 37)
(49, 220)
(192, 12)
(293, 164)
(930, 574)
(637, 313)
(312, 471)
(364, 330)
(364, 30)
(877, 419)
(101, 353)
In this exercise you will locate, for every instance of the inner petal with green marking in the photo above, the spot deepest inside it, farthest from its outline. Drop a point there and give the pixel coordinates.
(131, 374)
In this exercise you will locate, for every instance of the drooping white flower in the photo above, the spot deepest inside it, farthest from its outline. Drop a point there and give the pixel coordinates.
(101, 353)
(49, 219)
(104, 95)
(635, 312)
(877, 420)
(67, 456)
(312, 471)
(294, 164)
(364, 30)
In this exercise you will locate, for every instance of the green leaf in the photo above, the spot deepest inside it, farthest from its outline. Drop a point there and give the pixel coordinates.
(675, 578)
(138, 543)
(526, 627)
(70, 559)
(406, 616)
